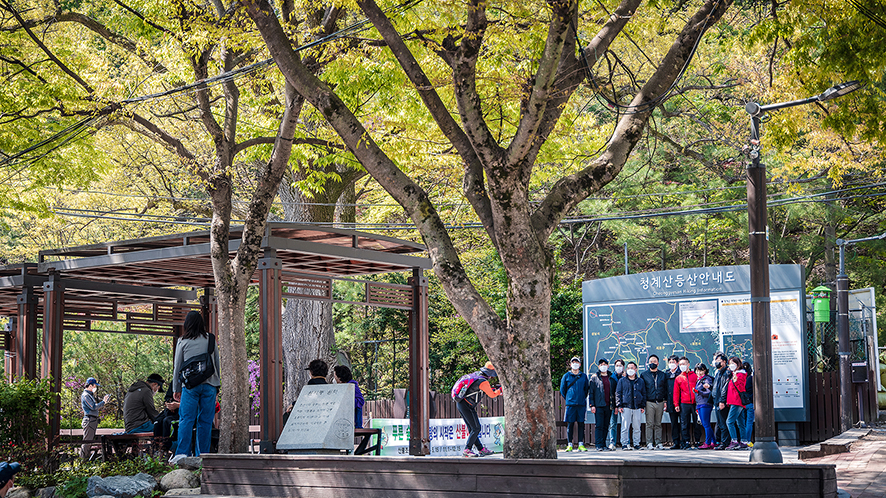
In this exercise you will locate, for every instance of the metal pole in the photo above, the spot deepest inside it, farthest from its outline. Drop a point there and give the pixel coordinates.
(843, 341)
(626, 259)
(766, 448)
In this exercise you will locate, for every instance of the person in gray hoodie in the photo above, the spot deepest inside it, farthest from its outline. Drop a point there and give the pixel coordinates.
(139, 411)
(197, 407)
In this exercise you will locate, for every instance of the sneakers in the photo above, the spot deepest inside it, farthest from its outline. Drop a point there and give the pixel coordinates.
(581, 447)
(568, 448)
(659, 446)
(601, 448)
(707, 446)
(626, 448)
(650, 447)
(174, 459)
(483, 452)
(468, 453)
(721, 446)
(750, 444)
(612, 447)
(733, 446)
(742, 446)
(638, 447)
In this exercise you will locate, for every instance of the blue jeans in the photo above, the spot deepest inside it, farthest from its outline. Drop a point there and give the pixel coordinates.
(736, 429)
(749, 431)
(613, 426)
(145, 427)
(704, 414)
(197, 406)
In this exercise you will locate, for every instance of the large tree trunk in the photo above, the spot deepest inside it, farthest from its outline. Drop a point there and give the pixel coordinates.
(307, 324)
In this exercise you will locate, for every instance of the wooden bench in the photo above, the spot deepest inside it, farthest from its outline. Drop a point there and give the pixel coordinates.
(115, 446)
(365, 436)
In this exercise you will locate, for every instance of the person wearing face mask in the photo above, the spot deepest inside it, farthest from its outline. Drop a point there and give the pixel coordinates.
(574, 389)
(736, 388)
(671, 375)
(618, 371)
(630, 399)
(656, 392)
(718, 398)
(602, 397)
(684, 399)
(703, 393)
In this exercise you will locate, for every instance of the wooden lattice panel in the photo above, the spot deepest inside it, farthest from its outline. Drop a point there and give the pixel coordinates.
(307, 286)
(389, 294)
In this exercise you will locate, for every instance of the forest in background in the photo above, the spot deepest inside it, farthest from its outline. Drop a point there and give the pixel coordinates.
(678, 202)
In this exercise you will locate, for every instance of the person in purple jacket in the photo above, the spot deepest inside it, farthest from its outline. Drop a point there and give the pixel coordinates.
(704, 404)
(343, 376)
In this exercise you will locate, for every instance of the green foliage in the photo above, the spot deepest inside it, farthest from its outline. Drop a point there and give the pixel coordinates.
(24, 408)
(71, 478)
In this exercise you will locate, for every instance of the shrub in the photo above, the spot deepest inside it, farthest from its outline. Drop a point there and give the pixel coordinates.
(25, 406)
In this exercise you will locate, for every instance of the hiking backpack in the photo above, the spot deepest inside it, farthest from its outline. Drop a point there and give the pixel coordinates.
(460, 389)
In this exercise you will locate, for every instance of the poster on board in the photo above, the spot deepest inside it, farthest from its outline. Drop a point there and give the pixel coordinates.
(447, 436)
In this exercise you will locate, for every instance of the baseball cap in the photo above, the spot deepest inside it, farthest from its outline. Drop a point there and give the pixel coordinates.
(90, 381)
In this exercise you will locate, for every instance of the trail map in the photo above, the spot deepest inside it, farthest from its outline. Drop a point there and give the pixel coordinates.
(633, 331)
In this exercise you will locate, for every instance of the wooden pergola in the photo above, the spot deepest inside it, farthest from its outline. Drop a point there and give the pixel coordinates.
(139, 283)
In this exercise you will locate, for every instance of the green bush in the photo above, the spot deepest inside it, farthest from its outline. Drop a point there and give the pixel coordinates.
(70, 476)
(25, 407)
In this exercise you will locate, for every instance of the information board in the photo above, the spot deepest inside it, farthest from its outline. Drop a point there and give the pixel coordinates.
(695, 313)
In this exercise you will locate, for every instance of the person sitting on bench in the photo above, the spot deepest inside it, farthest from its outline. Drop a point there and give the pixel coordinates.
(138, 406)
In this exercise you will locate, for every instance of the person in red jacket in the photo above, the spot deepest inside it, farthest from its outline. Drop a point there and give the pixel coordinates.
(736, 407)
(684, 399)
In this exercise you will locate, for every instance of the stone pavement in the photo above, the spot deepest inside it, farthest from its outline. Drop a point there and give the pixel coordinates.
(862, 471)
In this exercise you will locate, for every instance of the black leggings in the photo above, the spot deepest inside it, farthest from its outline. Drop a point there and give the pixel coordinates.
(469, 414)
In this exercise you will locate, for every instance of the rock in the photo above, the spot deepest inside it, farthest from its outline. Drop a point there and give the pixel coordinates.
(183, 492)
(121, 486)
(190, 463)
(19, 492)
(179, 478)
(46, 492)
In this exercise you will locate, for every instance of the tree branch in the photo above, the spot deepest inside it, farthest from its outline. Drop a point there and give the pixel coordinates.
(572, 189)
(407, 193)
(473, 187)
(295, 141)
(46, 50)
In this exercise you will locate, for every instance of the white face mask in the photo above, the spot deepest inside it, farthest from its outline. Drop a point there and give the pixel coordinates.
(672, 366)
(684, 368)
(604, 368)
(576, 366)
(733, 367)
(619, 369)
(631, 372)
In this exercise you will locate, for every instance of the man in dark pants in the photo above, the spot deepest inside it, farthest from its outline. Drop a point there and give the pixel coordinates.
(602, 399)
(718, 398)
(672, 373)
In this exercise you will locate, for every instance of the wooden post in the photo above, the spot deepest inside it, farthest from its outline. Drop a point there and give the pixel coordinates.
(271, 349)
(26, 335)
(419, 368)
(53, 331)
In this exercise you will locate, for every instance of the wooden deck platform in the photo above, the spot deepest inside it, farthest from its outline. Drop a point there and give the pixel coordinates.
(368, 477)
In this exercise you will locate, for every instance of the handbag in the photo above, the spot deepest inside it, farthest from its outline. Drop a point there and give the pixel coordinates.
(744, 396)
(197, 369)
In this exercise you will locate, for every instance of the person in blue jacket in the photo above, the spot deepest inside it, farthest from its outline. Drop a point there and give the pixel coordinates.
(574, 389)
(630, 400)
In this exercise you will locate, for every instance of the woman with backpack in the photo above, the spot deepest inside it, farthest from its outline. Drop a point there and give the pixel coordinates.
(196, 361)
(749, 407)
(736, 391)
(466, 392)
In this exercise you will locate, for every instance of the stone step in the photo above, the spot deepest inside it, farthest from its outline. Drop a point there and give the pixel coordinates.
(837, 444)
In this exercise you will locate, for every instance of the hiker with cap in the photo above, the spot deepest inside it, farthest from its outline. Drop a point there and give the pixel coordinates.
(90, 413)
(466, 392)
(139, 411)
(7, 472)
(574, 389)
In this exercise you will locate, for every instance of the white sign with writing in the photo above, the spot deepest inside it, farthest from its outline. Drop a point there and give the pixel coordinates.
(447, 436)
(322, 419)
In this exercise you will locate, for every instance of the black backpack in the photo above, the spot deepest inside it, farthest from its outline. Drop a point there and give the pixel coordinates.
(197, 369)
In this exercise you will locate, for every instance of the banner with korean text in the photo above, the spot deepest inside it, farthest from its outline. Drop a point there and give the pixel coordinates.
(447, 435)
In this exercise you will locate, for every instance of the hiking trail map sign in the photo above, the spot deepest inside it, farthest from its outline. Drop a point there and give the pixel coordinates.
(696, 312)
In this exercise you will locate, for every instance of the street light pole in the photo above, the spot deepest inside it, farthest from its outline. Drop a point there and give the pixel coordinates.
(766, 447)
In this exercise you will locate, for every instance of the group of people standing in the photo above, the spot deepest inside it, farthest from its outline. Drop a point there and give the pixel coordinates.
(689, 395)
